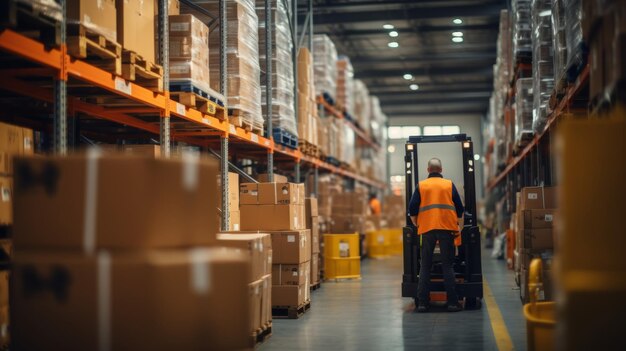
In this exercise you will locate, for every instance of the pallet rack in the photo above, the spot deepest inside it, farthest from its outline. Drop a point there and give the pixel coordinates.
(35, 67)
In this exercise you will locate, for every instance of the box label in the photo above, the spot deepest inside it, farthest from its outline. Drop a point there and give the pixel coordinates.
(180, 109)
(548, 218)
(123, 86)
(291, 238)
(532, 196)
(179, 27)
(254, 138)
(6, 194)
(344, 249)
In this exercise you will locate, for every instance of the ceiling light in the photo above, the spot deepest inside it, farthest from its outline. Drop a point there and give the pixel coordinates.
(457, 34)
(457, 39)
(388, 26)
(408, 76)
(457, 21)
(393, 34)
(393, 44)
(414, 86)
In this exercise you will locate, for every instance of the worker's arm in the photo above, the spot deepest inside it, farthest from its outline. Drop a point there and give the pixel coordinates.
(458, 205)
(414, 205)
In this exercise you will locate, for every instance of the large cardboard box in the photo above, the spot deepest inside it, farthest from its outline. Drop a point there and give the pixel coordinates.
(14, 141)
(255, 296)
(538, 197)
(291, 274)
(248, 194)
(272, 217)
(537, 239)
(347, 223)
(89, 201)
(256, 246)
(281, 194)
(278, 178)
(233, 191)
(536, 219)
(266, 300)
(6, 200)
(290, 295)
(311, 207)
(132, 300)
(98, 16)
(234, 220)
(135, 27)
(291, 247)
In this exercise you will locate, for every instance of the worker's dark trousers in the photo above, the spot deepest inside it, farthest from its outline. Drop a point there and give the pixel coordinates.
(446, 245)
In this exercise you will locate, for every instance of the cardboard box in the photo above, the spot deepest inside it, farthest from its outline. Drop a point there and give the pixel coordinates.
(537, 239)
(347, 223)
(266, 300)
(6, 200)
(4, 288)
(315, 236)
(233, 191)
(248, 193)
(272, 217)
(538, 197)
(290, 274)
(535, 219)
(290, 296)
(256, 246)
(135, 27)
(98, 16)
(133, 300)
(265, 178)
(291, 247)
(14, 141)
(315, 268)
(255, 296)
(234, 220)
(89, 201)
(280, 194)
(173, 8)
(311, 207)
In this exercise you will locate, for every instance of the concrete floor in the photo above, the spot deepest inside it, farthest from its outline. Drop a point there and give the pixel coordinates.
(370, 315)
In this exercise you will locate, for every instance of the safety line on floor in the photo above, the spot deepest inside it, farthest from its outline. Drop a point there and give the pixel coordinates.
(500, 331)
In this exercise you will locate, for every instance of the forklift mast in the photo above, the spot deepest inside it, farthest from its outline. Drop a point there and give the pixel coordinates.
(467, 265)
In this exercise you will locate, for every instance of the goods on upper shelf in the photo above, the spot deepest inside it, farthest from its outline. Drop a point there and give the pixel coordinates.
(345, 85)
(189, 52)
(543, 65)
(325, 65)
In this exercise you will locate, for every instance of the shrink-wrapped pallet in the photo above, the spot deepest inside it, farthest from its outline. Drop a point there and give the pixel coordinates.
(362, 105)
(543, 64)
(325, 65)
(189, 51)
(345, 85)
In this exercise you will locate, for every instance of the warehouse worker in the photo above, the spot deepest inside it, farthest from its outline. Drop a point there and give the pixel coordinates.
(374, 205)
(435, 209)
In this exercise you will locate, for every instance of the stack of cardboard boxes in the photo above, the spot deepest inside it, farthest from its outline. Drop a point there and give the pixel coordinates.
(106, 256)
(14, 141)
(345, 85)
(349, 210)
(394, 211)
(313, 223)
(278, 209)
(534, 219)
(307, 106)
(189, 51)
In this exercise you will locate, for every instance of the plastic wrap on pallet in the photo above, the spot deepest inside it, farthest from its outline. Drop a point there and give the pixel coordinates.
(523, 110)
(283, 114)
(49, 8)
(189, 51)
(559, 30)
(574, 36)
(348, 143)
(543, 61)
(322, 136)
(242, 55)
(362, 105)
(345, 84)
(325, 65)
(378, 119)
(522, 46)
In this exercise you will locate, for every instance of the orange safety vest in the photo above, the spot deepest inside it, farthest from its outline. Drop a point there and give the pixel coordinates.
(375, 206)
(437, 209)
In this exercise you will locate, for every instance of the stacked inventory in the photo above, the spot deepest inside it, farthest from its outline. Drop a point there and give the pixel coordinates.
(534, 219)
(307, 108)
(345, 85)
(189, 52)
(378, 120)
(576, 47)
(559, 33)
(313, 223)
(234, 216)
(522, 30)
(543, 65)
(501, 116)
(394, 212)
(362, 107)
(523, 111)
(325, 66)
(282, 114)
(346, 143)
(242, 56)
(349, 210)
(108, 257)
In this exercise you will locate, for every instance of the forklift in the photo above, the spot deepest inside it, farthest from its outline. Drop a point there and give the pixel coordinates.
(467, 263)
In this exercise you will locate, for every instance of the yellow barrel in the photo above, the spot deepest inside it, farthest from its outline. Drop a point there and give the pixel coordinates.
(341, 245)
(378, 243)
(540, 316)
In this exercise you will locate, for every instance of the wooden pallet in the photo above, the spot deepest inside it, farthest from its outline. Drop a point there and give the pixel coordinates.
(316, 286)
(290, 312)
(94, 48)
(244, 122)
(32, 21)
(261, 335)
(283, 137)
(199, 103)
(308, 149)
(136, 69)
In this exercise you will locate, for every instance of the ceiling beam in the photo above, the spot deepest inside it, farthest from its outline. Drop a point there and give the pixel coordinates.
(355, 15)
(491, 26)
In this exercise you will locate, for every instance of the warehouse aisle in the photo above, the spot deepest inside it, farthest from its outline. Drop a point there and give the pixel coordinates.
(371, 315)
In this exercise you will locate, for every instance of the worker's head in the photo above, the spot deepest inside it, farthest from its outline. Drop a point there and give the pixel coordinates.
(373, 196)
(434, 165)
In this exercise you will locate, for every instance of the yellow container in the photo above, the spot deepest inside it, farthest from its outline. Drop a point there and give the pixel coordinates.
(342, 268)
(540, 316)
(341, 245)
(378, 244)
(395, 241)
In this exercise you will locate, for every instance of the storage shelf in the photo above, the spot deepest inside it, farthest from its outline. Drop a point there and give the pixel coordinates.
(361, 136)
(563, 105)
(199, 128)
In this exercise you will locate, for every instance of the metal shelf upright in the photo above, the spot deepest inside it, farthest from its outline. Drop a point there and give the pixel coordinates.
(224, 136)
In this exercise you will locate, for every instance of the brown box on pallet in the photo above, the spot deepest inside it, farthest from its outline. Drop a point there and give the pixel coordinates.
(278, 178)
(537, 239)
(291, 274)
(347, 224)
(255, 300)
(311, 207)
(256, 246)
(272, 217)
(248, 194)
(535, 219)
(538, 197)
(290, 295)
(135, 27)
(205, 291)
(291, 247)
(6, 200)
(281, 194)
(98, 16)
(90, 201)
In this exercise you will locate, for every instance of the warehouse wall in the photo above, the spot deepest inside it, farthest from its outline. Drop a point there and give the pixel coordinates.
(449, 154)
